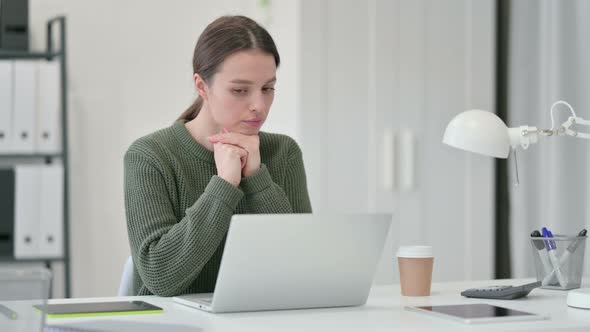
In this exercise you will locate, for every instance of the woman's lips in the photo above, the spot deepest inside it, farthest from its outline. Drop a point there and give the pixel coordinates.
(254, 123)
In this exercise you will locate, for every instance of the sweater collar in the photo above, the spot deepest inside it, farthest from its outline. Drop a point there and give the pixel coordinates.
(188, 143)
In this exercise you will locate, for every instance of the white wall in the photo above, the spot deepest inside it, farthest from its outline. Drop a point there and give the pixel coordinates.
(401, 66)
(130, 73)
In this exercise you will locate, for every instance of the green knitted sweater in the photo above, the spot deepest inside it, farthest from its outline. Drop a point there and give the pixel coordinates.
(178, 210)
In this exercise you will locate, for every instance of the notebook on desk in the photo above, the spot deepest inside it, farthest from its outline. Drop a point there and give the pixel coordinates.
(294, 261)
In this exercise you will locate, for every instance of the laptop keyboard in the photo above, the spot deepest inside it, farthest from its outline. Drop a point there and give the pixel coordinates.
(207, 300)
(55, 328)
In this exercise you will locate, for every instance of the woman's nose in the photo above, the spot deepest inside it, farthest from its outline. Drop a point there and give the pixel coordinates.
(258, 103)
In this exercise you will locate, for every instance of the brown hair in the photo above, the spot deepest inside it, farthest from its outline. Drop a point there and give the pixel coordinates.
(222, 38)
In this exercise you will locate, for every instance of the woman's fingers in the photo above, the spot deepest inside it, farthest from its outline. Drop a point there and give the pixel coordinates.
(241, 152)
(248, 146)
(231, 138)
(243, 160)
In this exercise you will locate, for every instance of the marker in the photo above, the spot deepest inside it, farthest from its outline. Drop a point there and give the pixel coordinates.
(574, 245)
(551, 246)
(542, 254)
(7, 312)
(570, 250)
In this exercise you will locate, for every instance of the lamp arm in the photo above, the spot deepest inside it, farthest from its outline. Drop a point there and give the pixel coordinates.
(566, 128)
(524, 136)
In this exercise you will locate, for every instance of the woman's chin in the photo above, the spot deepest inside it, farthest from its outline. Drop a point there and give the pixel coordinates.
(248, 130)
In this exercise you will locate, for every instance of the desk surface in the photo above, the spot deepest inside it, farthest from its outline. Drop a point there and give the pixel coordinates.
(384, 311)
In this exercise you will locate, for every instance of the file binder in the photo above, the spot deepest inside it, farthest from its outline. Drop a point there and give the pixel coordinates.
(48, 133)
(26, 211)
(24, 105)
(51, 211)
(6, 212)
(6, 94)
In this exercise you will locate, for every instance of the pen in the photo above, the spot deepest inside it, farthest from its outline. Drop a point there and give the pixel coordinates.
(551, 246)
(574, 245)
(570, 250)
(543, 255)
(7, 312)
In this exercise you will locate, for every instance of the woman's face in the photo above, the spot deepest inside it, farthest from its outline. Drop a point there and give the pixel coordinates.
(240, 94)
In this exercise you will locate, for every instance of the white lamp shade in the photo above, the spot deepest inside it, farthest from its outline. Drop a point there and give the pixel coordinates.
(480, 132)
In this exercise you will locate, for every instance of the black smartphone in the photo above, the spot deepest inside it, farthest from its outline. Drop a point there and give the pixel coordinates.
(98, 309)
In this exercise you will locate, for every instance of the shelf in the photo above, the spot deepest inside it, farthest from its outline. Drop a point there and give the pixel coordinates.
(27, 55)
(9, 259)
(31, 156)
(53, 50)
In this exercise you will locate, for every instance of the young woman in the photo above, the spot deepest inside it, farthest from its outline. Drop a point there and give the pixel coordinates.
(183, 183)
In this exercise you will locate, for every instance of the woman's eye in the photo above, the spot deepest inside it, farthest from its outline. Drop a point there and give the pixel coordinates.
(268, 90)
(240, 91)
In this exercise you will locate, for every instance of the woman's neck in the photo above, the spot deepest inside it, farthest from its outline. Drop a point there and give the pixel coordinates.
(202, 127)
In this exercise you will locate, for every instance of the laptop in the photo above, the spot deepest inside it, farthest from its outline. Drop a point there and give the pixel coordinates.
(295, 261)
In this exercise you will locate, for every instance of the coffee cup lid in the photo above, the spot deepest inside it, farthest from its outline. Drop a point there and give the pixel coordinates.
(415, 251)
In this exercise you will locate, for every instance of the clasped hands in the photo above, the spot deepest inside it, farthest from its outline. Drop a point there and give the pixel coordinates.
(236, 155)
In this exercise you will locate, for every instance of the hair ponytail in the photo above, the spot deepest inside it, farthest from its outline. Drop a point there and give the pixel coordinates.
(192, 111)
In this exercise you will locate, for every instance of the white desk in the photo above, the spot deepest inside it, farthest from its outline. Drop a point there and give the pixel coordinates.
(383, 312)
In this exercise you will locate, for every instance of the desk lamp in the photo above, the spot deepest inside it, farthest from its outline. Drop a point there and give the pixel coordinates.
(485, 133)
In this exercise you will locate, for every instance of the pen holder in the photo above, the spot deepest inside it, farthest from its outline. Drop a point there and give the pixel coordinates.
(559, 261)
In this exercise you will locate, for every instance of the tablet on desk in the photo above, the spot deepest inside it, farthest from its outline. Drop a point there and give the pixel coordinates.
(477, 313)
(68, 310)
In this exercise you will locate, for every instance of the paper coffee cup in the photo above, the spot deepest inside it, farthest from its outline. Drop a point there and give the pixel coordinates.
(415, 269)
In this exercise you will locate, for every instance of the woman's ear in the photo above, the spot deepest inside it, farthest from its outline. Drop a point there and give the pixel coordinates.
(201, 86)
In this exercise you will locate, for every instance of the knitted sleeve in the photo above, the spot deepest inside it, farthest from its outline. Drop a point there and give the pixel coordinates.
(265, 196)
(169, 253)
